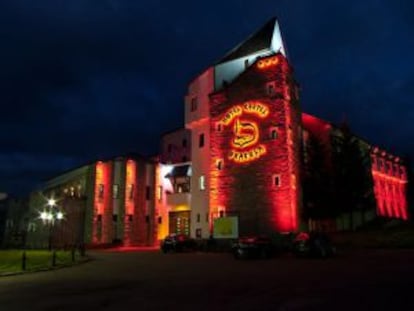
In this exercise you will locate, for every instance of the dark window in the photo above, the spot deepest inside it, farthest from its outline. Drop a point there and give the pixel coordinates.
(99, 217)
(184, 159)
(273, 134)
(219, 164)
(159, 220)
(194, 104)
(130, 217)
(198, 217)
(147, 193)
(169, 147)
(221, 213)
(271, 88)
(276, 180)
(201, 141)
(114, 218)
(184, 143)
(207, 217)
(218, 127)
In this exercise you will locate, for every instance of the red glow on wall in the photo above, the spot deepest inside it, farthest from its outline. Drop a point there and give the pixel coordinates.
(130, 194)
(390, 182)
(102, 215)
(130, 180)
(274, 206)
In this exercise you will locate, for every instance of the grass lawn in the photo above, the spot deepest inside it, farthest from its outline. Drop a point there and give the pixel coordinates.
(11, 260)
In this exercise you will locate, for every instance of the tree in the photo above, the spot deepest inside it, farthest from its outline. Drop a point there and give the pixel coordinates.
(352, 173)
(317, 187)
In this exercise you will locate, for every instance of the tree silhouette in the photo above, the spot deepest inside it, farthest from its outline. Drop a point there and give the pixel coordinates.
(352, 173)
(317, 186)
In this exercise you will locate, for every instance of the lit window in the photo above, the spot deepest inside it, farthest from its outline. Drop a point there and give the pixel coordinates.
(194, 104)
(201, 141)
(276, 180)
(159, 193)
(72, 191)
(202, 182)
(115, 191)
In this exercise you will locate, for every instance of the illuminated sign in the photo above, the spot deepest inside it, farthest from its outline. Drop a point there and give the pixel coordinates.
(246, 133)
(267, 62)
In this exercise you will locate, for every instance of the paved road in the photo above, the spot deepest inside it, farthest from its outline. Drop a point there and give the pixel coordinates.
(149, 280)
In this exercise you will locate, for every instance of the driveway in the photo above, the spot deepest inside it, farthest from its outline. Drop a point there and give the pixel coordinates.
(149, 280)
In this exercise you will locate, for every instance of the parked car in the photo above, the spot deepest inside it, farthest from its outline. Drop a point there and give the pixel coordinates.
(178, 243)
(253, 247)
(314, 244)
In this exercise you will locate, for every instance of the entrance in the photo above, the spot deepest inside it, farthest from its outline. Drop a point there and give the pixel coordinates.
(180, 222)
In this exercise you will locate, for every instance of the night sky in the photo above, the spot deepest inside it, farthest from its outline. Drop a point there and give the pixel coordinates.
(84, 79)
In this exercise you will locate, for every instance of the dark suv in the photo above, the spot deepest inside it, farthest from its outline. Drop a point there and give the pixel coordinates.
(178, 243)
(253, 247)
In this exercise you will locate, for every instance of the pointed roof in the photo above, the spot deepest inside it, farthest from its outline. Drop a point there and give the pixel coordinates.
(268, 37)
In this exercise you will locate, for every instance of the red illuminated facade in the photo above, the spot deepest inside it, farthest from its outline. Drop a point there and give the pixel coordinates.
(255, 136)
(390, 185)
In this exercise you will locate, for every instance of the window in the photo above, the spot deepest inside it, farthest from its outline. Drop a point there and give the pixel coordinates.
(184, 159)
(218, 126)
(201, 141)
(115, 191)
(194, 104)
(198, 217)
(202, 181)
(72, 191)
(207, 217)
(184, 142)
(100, 191)
(159, 193)
(219, 164)
(114, 218)
(169, 147)
(147, 193)
(159, 220)
(271, 88)
(131, 191)
(273, 133)
(276, 180)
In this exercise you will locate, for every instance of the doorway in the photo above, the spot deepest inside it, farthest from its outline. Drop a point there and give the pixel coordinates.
(180, 222)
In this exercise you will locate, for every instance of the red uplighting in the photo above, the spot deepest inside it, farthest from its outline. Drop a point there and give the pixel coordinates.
(390, 183)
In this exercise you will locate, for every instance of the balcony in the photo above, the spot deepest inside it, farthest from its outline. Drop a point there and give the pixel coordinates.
(174, 199)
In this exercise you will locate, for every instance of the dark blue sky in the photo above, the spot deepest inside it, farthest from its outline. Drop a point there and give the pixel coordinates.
(83, 79)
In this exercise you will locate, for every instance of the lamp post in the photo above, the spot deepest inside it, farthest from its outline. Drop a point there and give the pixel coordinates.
(50, 216)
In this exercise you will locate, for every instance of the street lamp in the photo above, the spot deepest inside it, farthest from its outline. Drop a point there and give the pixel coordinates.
(50, 216)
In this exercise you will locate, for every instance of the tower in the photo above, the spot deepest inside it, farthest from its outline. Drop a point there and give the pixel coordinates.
(245, 121)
